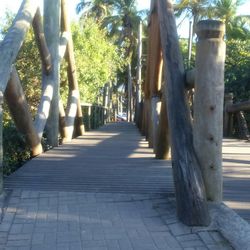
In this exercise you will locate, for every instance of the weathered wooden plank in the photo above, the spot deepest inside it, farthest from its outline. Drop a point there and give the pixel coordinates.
(190, 191)
(14, 38)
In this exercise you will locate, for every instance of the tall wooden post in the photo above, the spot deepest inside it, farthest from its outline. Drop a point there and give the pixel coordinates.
(162, 148)
(228, 121)
(74, 119)
(1, 142)
(139, 68)
(129, 112)
(190, 192)
(208, 104)
(52, 32)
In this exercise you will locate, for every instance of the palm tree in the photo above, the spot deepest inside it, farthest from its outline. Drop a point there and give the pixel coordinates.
(237, 27)
(193, 9)
(95, 8)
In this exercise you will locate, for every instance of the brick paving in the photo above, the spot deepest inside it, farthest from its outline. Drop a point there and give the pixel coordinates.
(98, 221)
(102, 191)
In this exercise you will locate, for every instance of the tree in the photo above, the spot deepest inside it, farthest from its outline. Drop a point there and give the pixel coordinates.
(237, 27)
(97, 62)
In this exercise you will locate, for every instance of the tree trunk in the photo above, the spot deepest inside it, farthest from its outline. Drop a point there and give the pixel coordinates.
(190, 191)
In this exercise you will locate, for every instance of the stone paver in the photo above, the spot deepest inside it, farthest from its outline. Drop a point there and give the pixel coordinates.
(78, 220)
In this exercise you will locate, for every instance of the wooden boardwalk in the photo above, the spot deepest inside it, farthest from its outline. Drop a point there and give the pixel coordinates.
(116, 159)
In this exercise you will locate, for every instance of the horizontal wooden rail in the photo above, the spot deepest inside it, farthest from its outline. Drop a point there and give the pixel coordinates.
(237, 107)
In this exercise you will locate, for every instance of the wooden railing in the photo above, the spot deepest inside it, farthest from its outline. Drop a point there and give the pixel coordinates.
(54, 41)
(235, 113)
(195, 142)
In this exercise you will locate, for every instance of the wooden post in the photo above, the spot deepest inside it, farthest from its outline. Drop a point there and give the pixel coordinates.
(208, 104)
(155, 117)
(52, 33)
(41, 42)
(190, 192)
(162, 150)
(14, 38)
(129, 106)
(139, 68)
(242, 124)
(73, 107)
(20, 113)
(1, 143)
(227, 124)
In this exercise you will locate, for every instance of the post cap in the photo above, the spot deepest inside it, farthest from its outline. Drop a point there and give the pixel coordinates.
(210, 29)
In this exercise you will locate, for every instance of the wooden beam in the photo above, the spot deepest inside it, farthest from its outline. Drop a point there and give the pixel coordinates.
(72, 76)
(20, 113)
(1, 143)
(237, 107)
(190, 191)
(41, 42)
(208, 104)
(162, 150)
(14, 38)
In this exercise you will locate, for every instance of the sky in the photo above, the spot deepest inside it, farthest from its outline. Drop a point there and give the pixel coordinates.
(13, 5)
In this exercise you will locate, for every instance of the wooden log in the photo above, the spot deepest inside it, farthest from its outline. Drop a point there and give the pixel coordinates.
(228, 117)
(20, 113)
(72, 77)
(52, 35)
(139, 76)
(155, 117)
(14, 38)
(1, 143)
(163, 136)
(62, 122)
(190, 191)
(242, 125)
(208, 104)
(190, 79)
(237, 107)
(130, 98)
(41, 42)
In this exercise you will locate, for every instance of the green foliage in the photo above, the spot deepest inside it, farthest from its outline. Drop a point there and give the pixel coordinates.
(97, 58)
(15, 151)
(237, 74)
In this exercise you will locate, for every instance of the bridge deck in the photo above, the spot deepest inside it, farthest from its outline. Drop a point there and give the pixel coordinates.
(116, 159)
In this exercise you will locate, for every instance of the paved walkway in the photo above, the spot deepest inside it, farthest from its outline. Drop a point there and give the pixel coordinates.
(102, 191)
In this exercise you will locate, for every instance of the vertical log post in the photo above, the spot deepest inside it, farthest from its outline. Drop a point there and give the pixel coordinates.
(208, 104)
(129, 112)
(52, 32)
(190, 192)
(139, 68)
(74, 103)
(242, 125)
(228, 121)
(1, 143)
(20, 113)
(162, 150)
